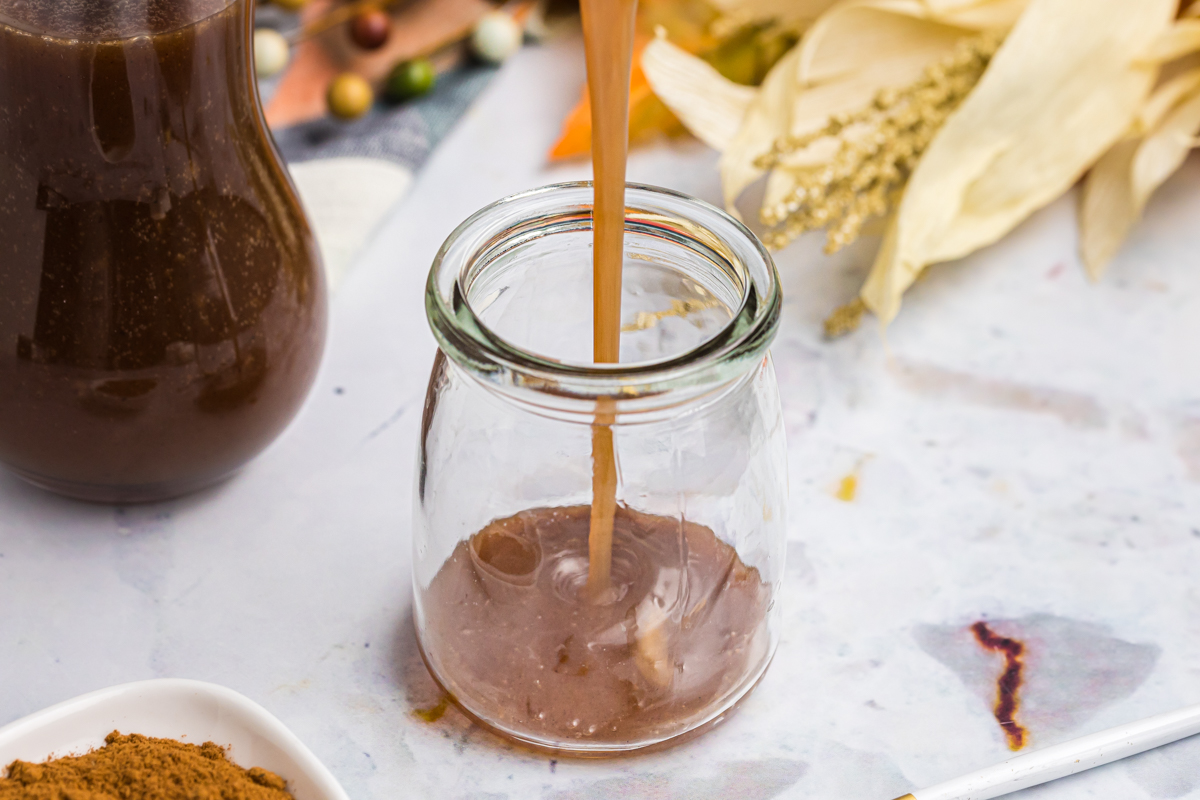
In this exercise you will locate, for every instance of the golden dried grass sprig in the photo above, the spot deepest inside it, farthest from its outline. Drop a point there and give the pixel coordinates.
(845, 319)
(878, 146)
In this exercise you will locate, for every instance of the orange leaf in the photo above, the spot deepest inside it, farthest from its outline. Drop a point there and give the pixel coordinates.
(576, 136)
(646, 114)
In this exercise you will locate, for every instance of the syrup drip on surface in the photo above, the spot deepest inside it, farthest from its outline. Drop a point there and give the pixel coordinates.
(1007, 684)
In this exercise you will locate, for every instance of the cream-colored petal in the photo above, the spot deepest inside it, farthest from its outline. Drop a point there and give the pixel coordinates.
(765, 121)
(1106, 207)
(1065, 85)
(1180, 39)
(885, 280)
(886, 29)
(782, 181)
(1119, 186)
(710, 105)
(780, 184)
(1165, 99)
(785, 10)
(1164, 150)
(896, 267)
(980, 14)
(856, 33)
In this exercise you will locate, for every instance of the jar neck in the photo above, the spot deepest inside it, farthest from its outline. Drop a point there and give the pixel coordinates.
(618, 412)
(106, 20)
(707, 245)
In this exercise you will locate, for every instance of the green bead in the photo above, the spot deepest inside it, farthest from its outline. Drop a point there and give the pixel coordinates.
(410, 79)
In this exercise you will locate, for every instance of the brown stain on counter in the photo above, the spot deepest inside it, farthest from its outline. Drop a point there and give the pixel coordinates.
(930, 380)
(1188, 447)
(1008, 684)
(434, 712)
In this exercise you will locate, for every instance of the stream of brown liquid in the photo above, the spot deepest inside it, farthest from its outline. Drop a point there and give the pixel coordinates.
(608, 27)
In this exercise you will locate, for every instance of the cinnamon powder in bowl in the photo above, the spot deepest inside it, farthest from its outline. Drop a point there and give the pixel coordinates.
(142, 767)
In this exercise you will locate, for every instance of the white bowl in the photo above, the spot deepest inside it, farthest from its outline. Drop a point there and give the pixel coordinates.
(190, 711)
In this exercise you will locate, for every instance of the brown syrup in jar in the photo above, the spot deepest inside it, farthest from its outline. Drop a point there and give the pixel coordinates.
(162, 307)
(519, 640)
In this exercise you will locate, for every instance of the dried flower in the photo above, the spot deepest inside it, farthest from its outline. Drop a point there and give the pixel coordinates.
(1122, 181)
(956, 118)
(878, 147)
(1066, 85)
(645, 320)
(845, 319)
(823, 76)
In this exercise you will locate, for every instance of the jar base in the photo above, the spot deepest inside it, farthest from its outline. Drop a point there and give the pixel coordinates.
(119, 495)
(598, 750)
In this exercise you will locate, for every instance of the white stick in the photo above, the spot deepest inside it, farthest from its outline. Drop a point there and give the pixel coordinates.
(1067, 758)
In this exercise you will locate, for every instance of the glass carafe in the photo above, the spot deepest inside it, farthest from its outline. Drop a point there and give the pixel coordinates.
(687, 621)
(162, 305)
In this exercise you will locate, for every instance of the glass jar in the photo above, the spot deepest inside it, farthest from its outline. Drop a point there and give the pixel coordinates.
(162, 305)
(502, 537)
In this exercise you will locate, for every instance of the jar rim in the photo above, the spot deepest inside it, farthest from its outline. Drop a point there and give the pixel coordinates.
(468, 341)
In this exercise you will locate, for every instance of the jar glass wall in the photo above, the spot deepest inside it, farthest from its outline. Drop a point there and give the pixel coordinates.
(689, 621)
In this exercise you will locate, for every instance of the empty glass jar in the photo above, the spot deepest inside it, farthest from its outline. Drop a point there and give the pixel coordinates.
(502, 539)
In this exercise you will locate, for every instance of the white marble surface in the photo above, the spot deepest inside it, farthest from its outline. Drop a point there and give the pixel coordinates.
(1028, 451)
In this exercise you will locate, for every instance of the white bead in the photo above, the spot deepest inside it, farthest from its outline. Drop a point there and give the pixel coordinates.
(496, 37)
(270, 52)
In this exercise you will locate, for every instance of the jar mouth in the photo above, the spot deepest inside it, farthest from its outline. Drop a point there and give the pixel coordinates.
(737, 271)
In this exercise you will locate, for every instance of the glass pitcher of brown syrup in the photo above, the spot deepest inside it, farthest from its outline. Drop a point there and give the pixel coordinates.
(162, 305)
(508, 618)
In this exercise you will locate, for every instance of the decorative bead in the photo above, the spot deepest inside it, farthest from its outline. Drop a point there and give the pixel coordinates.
(496, 37)
(410, 79)
(271, 52)
(349, 96)
(371, 28)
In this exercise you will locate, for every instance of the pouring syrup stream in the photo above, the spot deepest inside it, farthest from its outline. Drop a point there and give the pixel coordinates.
(608, 27)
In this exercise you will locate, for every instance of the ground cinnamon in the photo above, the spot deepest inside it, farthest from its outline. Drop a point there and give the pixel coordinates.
(136, 767)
